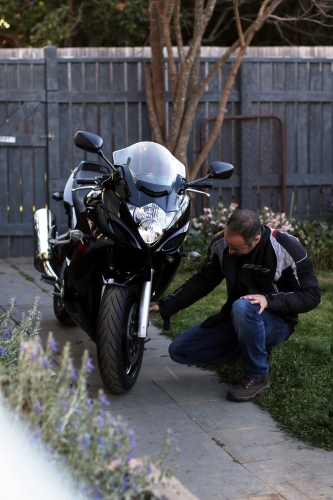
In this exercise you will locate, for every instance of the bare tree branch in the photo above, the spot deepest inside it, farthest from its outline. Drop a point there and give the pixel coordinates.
(263, 14)
(186, 89)
(201, 21)
(238, 24)
(157, 133)
(178, 33)
(215, 32)
(309, 19)
(166, 13)
(279, 30)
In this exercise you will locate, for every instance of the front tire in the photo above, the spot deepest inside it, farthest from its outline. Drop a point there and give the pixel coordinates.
(119, 349)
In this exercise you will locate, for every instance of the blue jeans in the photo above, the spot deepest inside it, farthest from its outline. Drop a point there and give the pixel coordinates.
(244, 334)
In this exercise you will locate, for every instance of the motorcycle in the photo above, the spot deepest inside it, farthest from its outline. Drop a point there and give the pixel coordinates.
(127, 221)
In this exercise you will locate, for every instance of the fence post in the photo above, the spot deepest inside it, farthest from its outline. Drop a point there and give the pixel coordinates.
(52, 108)
(246, 201)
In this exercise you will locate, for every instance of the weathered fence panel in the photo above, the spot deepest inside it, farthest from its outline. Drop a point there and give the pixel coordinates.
(46, 95)
(23, 161)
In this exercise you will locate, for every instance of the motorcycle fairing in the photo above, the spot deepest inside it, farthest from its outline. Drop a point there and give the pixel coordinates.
(152, 167)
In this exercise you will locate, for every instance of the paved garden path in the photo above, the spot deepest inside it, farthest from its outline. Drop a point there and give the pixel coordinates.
(229, 450)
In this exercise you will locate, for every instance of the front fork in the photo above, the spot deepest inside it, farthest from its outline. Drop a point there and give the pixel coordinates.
(144, 306)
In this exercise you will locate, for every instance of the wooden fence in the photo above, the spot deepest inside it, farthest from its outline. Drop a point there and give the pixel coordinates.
(46, 95)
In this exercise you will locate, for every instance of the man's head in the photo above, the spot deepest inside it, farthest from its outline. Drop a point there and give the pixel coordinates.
(242, 232)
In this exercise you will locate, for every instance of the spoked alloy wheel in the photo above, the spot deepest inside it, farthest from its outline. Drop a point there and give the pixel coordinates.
(131, 348)
(119, 349)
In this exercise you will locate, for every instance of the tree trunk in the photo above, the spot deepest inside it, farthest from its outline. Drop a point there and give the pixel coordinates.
(157, 66)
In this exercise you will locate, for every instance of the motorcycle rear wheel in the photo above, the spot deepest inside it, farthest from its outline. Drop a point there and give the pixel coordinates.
(119, 349)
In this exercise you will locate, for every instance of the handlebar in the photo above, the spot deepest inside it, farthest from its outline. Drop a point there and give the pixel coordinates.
(203, 185)
(86, 181)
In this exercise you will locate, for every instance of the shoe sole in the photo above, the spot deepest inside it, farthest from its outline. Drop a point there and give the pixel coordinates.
(246, 399)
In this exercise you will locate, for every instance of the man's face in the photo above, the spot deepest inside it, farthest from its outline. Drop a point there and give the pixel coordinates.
(237, 244)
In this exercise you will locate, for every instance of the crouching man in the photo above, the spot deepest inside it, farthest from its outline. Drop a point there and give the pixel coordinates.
(270, 280)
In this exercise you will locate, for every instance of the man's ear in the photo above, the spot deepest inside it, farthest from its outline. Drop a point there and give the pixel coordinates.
(256, 240)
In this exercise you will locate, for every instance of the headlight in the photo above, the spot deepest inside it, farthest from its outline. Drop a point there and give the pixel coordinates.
(150, 231)
(152, 221)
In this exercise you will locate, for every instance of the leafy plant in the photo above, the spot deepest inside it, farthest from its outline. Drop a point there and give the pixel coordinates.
(79, 431)
(315, 235)
(13, 332)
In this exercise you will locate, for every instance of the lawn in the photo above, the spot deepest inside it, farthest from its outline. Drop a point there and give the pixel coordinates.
(301, 373)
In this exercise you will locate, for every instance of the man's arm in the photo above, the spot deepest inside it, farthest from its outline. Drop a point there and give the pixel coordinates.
(200, 284)
(297, 288)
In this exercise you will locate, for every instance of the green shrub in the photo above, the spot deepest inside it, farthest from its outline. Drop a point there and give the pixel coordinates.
(14, 332)
(80, 433)
(316, 235)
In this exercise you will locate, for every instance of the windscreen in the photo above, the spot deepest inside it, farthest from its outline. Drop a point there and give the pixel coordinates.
(152, 166)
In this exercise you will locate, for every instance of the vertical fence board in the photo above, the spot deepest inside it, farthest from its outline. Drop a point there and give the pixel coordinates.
(4, 201)
(286, 87)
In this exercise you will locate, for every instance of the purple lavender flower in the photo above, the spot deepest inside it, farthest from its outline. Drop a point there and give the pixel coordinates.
(77, 409)
(103, 400)
(89, 404)
(130, 456)
(85, 442)
(71, 371)
(89, 366)
(101, 442)
(125, 482)
(53, 345)
(100, 421)
(149, 468)
(38, 408)
(6, 335)
(58, 426)
(45, 363)
(64, 405)
(36, 438)
(34, 350)
(3, 352)
(131, 435)
(173, 439)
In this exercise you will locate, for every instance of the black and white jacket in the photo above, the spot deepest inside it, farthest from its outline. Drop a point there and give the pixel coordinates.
(278, 267)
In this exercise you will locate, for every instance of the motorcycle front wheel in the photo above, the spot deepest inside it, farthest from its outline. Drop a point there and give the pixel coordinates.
(119, 349)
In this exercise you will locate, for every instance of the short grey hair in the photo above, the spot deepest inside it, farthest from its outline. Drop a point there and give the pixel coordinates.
(244, 223)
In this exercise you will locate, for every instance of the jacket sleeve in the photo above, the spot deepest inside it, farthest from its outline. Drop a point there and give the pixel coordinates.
(200, 284)
(297, 288)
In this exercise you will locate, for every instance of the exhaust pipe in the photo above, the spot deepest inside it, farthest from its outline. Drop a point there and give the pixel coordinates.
(44, 220)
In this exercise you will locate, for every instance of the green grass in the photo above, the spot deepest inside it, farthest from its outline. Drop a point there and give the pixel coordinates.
(301, 373)
(22, 273)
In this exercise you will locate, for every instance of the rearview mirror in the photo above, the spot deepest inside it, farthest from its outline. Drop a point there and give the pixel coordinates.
(88, 142)
(220, 170)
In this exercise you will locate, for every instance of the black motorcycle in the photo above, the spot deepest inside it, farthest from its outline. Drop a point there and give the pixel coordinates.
(127, 222)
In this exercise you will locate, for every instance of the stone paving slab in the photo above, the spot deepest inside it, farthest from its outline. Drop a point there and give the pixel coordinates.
(230, 451)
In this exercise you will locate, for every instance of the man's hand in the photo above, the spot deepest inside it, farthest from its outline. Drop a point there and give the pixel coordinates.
(257, 299)
(154, 308)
